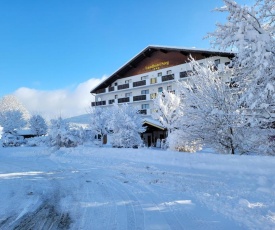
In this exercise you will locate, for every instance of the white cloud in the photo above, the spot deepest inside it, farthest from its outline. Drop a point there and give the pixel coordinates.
(55, 103)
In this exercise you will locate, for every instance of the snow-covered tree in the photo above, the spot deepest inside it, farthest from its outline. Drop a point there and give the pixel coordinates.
(99, 122)
(12, 120)
(251, 32)
(211, 112)
(10, 102)
(38, 125)
(166, 109)
(126, 126)
(61, 135)
(179, 140)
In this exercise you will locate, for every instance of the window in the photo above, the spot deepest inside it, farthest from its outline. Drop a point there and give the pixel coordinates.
(160, 89)
(112, 101)
(153, 80)
(115, 83)
(169, 88)
(128, 94)
(143, 77)
(159, 74)
(217, 62)
(153, 95)
(169, 72)
(185, 73)
(145, 91)
(145, 106)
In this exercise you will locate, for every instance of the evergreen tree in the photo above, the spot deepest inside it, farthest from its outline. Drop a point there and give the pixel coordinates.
(38, 125)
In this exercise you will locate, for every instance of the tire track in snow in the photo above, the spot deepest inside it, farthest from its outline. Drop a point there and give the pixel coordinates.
(134, 210)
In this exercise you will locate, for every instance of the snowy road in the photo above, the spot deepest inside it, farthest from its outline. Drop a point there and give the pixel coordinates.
(105, 188)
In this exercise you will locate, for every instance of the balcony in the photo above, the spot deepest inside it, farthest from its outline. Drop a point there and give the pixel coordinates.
(168, 77)
(98, 103)
(139, 98)
(111, 101)
(139, 83)
(124, 86)
(111, 88)
(100, 91)
(123, 100)
(185, 73)
(143, 111)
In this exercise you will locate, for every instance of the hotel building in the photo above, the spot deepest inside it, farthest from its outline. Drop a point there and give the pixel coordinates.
(154, 69)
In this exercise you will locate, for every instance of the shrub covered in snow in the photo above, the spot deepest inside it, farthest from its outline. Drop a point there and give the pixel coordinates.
(61, 135)
(178, 141)
(126, 125)
(38, 141)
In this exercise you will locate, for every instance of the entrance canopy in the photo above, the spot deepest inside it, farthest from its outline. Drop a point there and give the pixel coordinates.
(150, 123)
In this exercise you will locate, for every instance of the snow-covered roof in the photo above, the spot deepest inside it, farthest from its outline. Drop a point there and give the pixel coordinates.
(154, 123)
(23, 132)
(147, 52)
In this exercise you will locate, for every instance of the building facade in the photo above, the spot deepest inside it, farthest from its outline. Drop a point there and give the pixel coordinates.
(151, 71)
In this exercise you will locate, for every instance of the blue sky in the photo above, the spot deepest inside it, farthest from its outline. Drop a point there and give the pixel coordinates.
(53, 45)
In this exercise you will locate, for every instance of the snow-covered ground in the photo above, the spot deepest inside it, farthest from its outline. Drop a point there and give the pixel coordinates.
(105, 188)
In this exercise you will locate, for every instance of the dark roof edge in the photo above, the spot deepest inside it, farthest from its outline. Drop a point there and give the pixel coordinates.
(120, 68)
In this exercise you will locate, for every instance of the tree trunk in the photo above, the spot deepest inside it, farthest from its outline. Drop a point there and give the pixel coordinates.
(231, 141)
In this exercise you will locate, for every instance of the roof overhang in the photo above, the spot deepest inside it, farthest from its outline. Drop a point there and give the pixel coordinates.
(147, 52)
(154, 124)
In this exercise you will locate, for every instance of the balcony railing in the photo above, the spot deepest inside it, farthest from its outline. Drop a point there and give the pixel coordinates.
(143, 111)
(139, 98)
(98, 103)
(100, 91)
(124, 86)
(111, 101)
(185, 73)
(139, 83)
(123, 100)
(111, 88)
(168, 77)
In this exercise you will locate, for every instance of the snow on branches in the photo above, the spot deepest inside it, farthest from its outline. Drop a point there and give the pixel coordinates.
(122, 122)
(126, 125)
(251, 32)
(99, 120)
(10, 102)
(61, 135)
(166, 110)
(38, 125)
(12, 120)
(211, 111)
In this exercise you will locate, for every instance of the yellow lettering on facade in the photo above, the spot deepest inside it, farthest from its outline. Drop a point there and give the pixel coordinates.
(157, 66)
